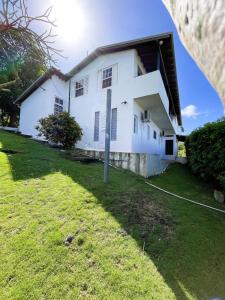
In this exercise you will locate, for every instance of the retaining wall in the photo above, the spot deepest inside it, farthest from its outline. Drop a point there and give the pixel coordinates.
(143, 164)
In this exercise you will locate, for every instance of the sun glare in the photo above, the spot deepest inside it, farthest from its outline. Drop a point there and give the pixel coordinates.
(69, 18)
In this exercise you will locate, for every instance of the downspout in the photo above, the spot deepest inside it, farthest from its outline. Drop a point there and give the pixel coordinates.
(69, 97)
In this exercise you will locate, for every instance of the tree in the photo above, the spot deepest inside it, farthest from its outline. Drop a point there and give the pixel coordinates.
(60, 129)
(201, 26)
(28, 70)
(18, 40)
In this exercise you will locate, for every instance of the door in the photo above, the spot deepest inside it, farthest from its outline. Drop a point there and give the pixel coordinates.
(169, 147)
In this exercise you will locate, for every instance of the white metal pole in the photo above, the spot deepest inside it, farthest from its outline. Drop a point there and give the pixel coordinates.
(107, 135)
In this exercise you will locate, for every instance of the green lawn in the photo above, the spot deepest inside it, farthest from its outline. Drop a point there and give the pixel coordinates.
(131, 241)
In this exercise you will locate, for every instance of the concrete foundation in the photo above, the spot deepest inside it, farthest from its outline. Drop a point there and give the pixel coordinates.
(140, 163)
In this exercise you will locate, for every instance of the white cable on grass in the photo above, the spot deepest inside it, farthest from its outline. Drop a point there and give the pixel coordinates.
(186, 199)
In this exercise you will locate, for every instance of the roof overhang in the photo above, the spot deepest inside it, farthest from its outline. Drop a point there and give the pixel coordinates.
(37, 83)
(147, 49)
(181, 138)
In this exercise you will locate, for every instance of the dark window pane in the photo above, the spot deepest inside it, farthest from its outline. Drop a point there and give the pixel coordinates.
(106, 82)
(107, 73)
(79, 92)
(169, 147)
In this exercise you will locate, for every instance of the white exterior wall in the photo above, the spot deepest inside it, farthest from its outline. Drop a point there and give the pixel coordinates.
(41, 103)
(85, 106)
(140, 141)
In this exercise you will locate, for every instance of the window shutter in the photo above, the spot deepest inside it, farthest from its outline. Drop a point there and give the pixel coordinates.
(86, 84)
(148, 132)
(114, 124)
(135, 124)
(96, 128)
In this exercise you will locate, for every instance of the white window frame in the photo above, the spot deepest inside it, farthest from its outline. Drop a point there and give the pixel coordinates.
(154, 134)
(107, 76)
(135, 124)
(58, 105)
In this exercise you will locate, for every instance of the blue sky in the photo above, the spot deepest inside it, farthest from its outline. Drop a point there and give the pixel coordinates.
(110, 21)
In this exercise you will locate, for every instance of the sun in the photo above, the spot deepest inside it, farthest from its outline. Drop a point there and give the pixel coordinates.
(69, 18)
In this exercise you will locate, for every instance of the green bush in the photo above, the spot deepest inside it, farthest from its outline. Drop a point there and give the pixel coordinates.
(205, 150)
(60, 129)
(181, 149)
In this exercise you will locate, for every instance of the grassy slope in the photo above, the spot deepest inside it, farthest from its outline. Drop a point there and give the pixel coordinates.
(44, 197)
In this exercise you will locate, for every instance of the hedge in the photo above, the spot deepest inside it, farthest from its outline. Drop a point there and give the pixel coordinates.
(205, 149)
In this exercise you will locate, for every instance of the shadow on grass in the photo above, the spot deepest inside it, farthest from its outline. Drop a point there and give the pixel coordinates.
(188, 252)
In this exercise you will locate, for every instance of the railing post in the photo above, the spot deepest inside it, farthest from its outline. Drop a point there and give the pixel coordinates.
(158, 59)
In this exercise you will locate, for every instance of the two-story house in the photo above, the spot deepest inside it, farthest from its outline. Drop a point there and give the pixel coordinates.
(145, 112)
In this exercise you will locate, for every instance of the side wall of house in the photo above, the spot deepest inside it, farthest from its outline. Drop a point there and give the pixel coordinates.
(40, 104)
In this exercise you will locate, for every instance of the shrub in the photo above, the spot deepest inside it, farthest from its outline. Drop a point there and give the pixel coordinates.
(205, 150)
(181, 149)
(60, 129)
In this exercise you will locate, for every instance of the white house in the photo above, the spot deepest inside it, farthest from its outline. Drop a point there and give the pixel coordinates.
(145, 113)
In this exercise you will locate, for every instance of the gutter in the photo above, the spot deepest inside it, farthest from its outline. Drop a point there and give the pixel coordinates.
(69, 97)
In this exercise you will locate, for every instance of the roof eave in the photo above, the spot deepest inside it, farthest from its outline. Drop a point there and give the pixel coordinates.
(39, 81)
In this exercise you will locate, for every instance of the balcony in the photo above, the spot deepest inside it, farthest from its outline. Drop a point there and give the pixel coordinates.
(159, 56)
(149, 93)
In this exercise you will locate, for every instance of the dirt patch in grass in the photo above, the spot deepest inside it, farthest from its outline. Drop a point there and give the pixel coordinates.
(142, 216)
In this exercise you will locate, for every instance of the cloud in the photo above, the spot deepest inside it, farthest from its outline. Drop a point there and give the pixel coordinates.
(190, 111)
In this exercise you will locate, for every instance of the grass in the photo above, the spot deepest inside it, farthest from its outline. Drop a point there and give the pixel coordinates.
(131, 241)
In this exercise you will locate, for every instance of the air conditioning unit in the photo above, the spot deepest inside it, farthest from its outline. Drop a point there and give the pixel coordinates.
(146, 116)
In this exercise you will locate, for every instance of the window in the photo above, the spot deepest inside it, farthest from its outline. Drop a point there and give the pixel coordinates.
(114, 124)
(58, 107)
(81, 86)
(148, 132)
(79, 89)
(154, 135)
(135, 124)
(107, 77)
(169, 147)
(96, 126)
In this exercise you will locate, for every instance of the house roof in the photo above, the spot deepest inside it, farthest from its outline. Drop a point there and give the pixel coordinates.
(38, 82)
(147, 49)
